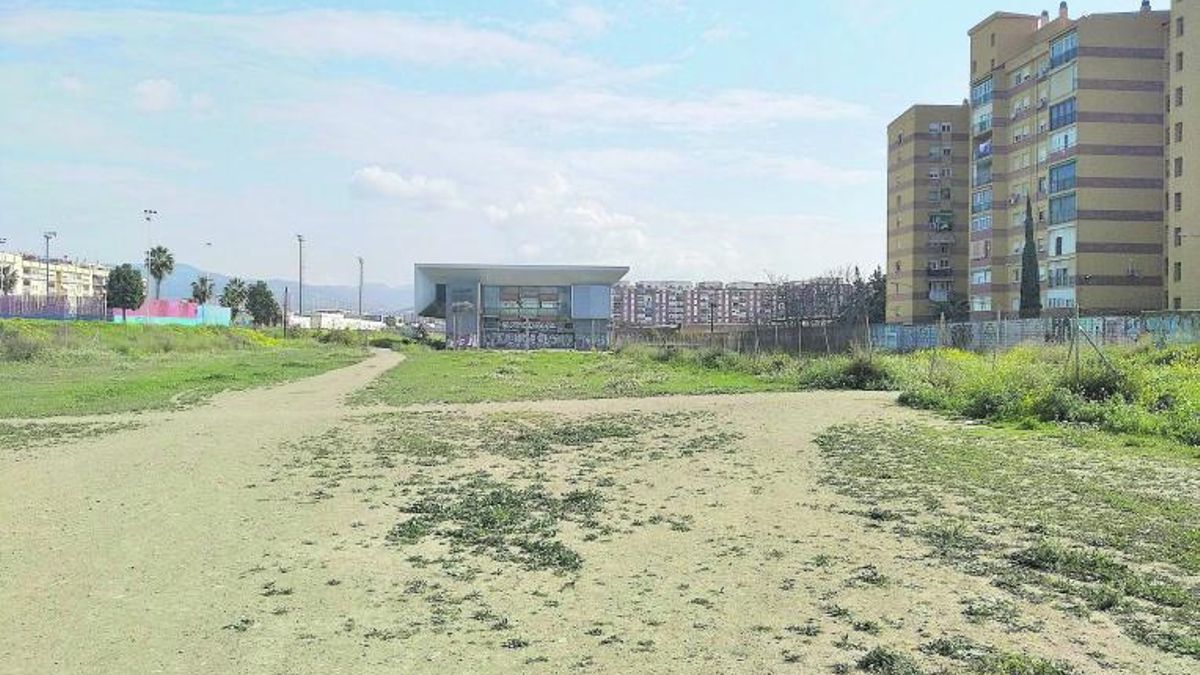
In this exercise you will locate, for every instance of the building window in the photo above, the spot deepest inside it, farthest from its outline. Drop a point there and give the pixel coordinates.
(981, 223)
(947, 152)
(1178, 201)
(1064, 49)
(981, 201)
(1177, 303)
(1177, 274)
(1178, 96)
(981, 94)
(1058, 246)
(1178, 60)
(1062, 114)
(1178, 167)
(1179, 26)
(1062, 209)
(1062, 177)
(993, 40)
(1179, 132)
(1179, 236)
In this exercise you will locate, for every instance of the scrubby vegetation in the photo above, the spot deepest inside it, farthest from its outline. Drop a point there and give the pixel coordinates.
(1142, 391)
(57, 368)
(1145, 391)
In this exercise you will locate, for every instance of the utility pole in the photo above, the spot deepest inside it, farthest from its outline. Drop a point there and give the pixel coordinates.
(48, 235)
(360, 285)
(300, 290)
(149, 215)
(286, 311)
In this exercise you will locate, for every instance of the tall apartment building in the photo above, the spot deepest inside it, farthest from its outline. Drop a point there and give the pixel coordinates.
(1069, 113)
(928, 150)
(1182, 135)
(67, 277)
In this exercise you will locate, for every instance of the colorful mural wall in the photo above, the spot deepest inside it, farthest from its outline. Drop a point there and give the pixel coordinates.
(175, 313)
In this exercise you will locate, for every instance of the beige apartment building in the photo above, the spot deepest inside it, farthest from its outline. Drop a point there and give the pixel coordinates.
(1182, 136)
(1087, 119)
(67, 278)
(928, 186)
(1068, 113)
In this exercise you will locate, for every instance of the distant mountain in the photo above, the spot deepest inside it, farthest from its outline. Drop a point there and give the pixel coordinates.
(377, 298)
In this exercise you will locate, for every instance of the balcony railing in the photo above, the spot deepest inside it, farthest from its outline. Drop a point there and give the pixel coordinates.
(939, 272)
(940, 238)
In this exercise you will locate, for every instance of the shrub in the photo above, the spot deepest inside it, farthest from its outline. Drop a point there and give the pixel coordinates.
(859, 371)
(16, 346)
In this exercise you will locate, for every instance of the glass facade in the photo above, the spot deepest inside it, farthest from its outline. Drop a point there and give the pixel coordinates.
(1064, 49)
(1062, 209)
(1062, 177)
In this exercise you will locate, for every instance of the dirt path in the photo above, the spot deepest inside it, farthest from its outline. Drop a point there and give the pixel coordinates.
(208, 542)
(117, 552)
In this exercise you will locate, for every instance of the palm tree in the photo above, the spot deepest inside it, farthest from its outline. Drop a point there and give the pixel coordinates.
(233, 296)
(8, 279)
(202, 290)
(161, 264)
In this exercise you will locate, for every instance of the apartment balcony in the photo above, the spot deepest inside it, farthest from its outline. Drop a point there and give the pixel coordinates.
(941, 238)
(939, 272)
(939, 296)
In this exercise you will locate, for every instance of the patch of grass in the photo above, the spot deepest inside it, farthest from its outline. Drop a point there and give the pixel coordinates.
(28, 435)
(478, 513)
(64, 368)
(1105, 524)
(430, 376)
(887, 661)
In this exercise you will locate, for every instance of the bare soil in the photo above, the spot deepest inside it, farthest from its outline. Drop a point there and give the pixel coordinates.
(258, 534)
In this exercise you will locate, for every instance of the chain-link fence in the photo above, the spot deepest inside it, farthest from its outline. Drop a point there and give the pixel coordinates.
(61, 308)
(1156, 328)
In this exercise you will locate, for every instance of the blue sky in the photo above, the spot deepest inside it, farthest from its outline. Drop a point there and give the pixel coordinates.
(690, 140)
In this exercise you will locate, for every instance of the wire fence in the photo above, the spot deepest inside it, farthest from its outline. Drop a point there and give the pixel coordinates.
(1160, 328)
(59, 308)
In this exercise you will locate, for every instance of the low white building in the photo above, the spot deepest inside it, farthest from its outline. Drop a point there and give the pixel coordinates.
(67, 277)
(337, 320)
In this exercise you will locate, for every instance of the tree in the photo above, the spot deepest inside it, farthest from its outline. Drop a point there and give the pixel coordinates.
(261, 305)
(125, 289)
(8, 279)
(1031, 286)
(161, 264)
(956, 307)
(233, 296)
(868, 298)
(202, 290)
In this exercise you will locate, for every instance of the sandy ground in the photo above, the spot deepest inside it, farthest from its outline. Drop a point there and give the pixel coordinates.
(194, 544)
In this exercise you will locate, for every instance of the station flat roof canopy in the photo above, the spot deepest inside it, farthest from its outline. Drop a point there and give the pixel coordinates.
(521, 275)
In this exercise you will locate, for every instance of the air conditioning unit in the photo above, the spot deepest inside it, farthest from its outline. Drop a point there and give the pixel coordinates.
(1041, 103)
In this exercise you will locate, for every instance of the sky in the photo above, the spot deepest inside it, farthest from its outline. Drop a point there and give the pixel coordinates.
(726, 139)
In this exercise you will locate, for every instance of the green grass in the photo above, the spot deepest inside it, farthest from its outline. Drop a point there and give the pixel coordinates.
(58, 368)
(1096, 521)
(429, 376)
(1143, 391)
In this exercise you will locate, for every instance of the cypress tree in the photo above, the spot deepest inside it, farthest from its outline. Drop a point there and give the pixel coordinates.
(1031, 287)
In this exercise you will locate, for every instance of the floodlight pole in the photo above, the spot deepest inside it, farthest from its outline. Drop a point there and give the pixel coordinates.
(48, 235)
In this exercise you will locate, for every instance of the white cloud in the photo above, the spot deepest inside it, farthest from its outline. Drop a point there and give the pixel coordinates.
(721, 34)
(579, 21)
(155, 95)
(71, 84)
(423, 191)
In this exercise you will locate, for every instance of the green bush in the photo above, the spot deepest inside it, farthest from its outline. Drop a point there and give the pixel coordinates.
(860, 371)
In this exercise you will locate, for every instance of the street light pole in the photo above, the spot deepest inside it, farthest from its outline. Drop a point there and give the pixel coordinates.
(148, 215)
(300, 290)
(360, 286)
(48, 235)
